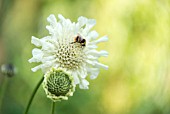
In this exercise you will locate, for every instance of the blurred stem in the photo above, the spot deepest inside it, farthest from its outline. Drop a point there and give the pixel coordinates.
(33, 94)
(2, 90)
(53, 107)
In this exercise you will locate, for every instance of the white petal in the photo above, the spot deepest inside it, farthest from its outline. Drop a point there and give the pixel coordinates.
(100, 65)
(30, 60)
(52, 20)
(49, 58)
(36, 68)
(59, 30)
(92, 35)
(102, 39)
(76, 79)
(94, 75)
(33, 60)
(48, 46)
(90, 62)
(94, 72)
(97, 53)
(37, 55)
(81, 21)
(48, 63)
(91, 46)
(91, 57)
(35, 41)
(84, 84)
(90, 24)
(82, 72)
(50, 29)
(103, 53)
(61, 18)
(40, 42)
(46, 39)
(67, 24)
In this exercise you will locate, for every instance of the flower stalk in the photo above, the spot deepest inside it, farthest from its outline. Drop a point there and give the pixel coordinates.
(33, 94)
(53, 108)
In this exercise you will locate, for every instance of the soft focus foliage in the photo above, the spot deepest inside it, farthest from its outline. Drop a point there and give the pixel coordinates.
(137, 81)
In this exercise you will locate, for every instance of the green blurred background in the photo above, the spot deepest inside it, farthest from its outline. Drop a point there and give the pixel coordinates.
(138, 79)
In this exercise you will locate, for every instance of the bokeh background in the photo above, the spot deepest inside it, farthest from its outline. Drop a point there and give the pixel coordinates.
(138, 78)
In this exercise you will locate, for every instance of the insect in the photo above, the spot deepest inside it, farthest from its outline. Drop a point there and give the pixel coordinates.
(79, 39)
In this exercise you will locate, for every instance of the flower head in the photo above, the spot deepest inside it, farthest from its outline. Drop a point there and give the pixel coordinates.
(71, 46)
(58, 84)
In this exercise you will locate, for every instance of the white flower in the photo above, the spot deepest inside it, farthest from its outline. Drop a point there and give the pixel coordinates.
(62, 50)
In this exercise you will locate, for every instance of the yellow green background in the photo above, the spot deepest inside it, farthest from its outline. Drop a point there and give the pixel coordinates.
(138, 78)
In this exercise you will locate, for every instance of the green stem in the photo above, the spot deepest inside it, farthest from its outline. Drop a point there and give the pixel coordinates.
(33, 94)
(3, 88)
(53, 108)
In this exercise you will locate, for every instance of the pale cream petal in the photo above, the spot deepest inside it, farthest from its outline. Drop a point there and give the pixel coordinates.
(36, 41)
(84, 84)
(100, 65)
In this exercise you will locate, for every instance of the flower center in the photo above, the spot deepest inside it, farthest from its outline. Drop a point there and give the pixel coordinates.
(71, 56)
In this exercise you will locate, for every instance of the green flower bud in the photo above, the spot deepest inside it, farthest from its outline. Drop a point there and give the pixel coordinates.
(8, 70)
(58, 84)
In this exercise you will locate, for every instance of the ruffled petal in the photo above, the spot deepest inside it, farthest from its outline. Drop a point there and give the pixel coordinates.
(92, 35)
(52, 20)
(36, 41)
(81, 21)
(100, 65)
(97, 53)
(90, 23)
(36, 68)
(37, 55)
(94, 72)
(50, 29)
(102, 39)
(84, 84)
(76, 79)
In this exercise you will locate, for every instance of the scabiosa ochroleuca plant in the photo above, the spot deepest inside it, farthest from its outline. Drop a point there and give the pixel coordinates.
(67, 56)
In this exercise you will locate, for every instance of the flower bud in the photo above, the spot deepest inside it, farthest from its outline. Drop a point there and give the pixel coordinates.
(58, 84)
(8, 70)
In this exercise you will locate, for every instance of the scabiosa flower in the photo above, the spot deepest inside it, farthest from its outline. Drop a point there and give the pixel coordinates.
(71, 46)
(58, 84)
